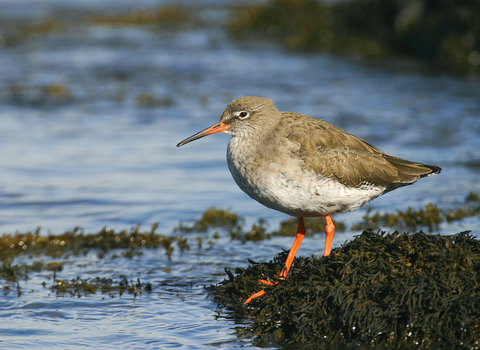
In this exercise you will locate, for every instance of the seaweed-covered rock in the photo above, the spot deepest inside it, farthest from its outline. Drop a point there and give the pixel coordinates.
(381, 291)
(444, 34)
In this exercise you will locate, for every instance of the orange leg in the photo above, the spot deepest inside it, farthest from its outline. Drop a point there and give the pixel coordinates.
(329, 231)
(293, 251)
(288, 263)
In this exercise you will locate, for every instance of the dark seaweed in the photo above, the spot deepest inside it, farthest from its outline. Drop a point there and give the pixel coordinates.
(379, 291)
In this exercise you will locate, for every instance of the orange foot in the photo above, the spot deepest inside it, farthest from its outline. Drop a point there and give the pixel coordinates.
(255, 296)
(262, 292)
(288, 263)
(329, 231)
(267, 283)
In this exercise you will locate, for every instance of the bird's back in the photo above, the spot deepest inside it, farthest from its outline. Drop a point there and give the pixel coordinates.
(334, 153)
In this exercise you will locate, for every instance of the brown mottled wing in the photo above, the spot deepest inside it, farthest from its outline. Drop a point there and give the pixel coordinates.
(333, 152)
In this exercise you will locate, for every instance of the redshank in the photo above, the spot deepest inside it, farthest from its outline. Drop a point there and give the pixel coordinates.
(305, 167)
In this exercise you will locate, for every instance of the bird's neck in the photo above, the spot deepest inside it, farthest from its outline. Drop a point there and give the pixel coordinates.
(240, 148)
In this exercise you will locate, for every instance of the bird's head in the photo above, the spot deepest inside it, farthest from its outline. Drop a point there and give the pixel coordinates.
(242, 117)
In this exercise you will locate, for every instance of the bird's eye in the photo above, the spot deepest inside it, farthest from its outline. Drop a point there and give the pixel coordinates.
(243, 115)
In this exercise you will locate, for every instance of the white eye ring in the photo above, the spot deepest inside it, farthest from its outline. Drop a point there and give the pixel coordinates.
(243, 115)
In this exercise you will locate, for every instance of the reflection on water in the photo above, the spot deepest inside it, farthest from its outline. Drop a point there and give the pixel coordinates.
(80, 148)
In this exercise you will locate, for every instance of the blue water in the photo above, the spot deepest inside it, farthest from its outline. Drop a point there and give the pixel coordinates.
(94, 157)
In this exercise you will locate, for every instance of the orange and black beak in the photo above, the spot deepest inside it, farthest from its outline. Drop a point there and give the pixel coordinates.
(208, 131)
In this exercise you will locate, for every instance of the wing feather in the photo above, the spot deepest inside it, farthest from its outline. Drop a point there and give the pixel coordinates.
(333, 152)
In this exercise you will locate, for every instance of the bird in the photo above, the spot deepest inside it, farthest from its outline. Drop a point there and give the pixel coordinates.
(305, 167)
